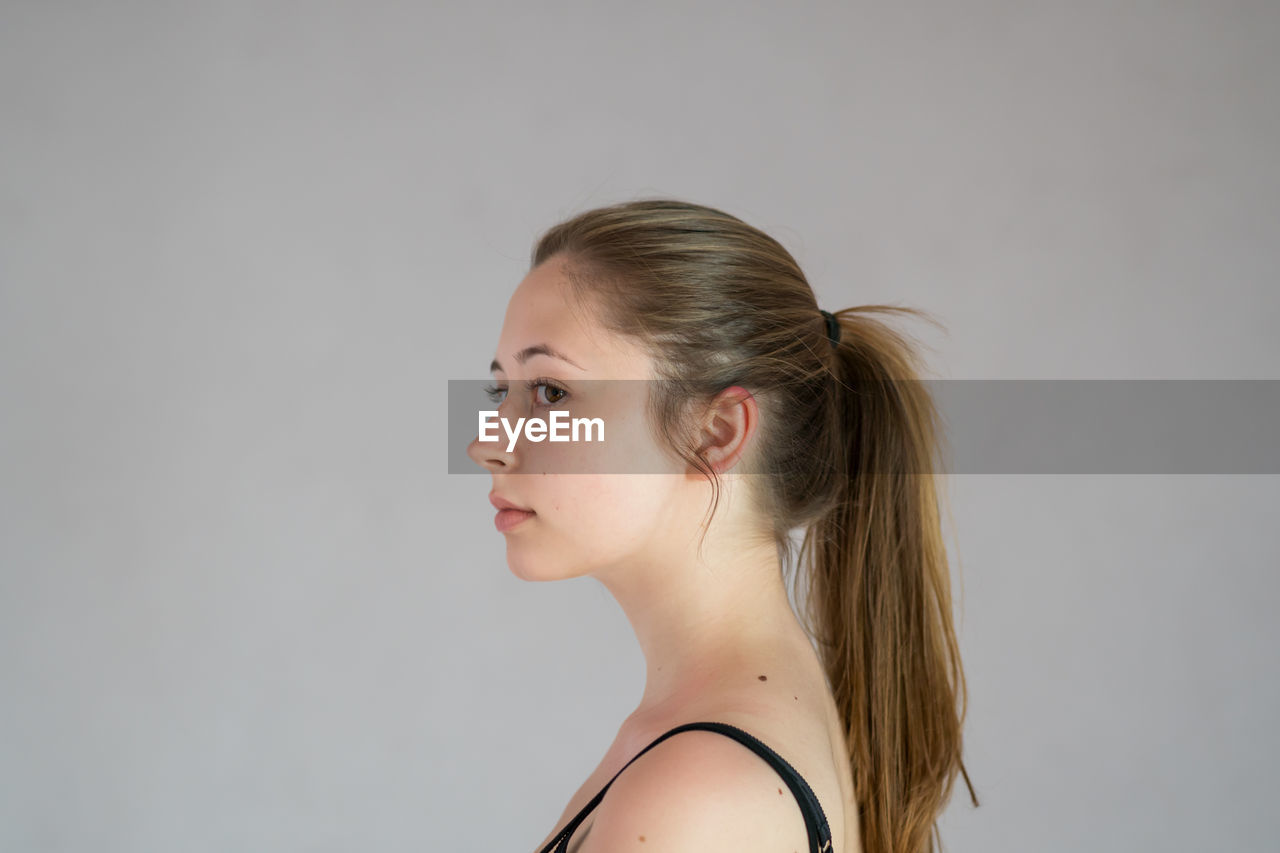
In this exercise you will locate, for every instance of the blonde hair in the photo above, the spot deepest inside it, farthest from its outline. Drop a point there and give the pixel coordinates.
(848, 441)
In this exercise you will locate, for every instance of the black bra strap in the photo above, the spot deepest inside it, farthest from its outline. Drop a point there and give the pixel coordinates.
(819, 834)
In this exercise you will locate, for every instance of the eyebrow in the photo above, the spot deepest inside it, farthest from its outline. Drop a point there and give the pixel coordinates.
(537, 349)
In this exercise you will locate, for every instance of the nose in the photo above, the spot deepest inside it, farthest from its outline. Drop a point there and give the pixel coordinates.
(492, 455)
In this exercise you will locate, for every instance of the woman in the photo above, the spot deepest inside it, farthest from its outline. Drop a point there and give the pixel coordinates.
(763, 414)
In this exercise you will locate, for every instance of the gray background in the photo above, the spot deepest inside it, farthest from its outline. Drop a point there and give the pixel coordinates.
(244, 245)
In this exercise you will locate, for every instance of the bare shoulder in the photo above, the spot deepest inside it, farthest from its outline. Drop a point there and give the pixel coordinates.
(697, 790)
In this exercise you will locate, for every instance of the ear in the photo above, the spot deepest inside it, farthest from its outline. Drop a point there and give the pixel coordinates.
(727, 427)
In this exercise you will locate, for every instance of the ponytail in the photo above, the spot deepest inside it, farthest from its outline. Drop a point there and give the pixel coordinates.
(879, 595)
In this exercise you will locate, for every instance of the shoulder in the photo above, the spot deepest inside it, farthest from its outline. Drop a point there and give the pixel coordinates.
(697, 790)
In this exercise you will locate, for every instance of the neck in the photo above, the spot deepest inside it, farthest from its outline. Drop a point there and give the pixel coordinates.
(707, 624)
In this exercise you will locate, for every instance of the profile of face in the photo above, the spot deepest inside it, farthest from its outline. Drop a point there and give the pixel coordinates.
(608, 515)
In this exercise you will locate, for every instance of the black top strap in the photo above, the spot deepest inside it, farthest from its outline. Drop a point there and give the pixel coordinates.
(815, 820)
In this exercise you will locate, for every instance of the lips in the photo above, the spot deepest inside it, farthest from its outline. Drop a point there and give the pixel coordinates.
(510, 514)
(507, 519)
(500, 502)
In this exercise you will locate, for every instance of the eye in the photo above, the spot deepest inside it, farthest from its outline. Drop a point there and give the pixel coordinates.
(552, 389)
(555, 394)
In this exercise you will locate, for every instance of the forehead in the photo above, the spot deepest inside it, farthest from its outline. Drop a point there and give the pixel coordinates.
(542, 307)
(543, 312)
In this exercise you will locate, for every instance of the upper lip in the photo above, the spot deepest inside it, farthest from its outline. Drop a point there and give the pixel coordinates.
(500, 502)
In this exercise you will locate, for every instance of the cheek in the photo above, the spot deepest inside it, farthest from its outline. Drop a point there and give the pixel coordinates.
(628, 447)
(609, 513)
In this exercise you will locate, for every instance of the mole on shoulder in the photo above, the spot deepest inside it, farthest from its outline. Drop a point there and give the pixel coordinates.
(764, 678)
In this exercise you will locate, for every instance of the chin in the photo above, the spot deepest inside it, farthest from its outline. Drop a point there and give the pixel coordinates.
(529, 566)
(525, 572)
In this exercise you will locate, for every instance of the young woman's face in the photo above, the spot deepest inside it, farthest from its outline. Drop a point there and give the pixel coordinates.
(587, 521)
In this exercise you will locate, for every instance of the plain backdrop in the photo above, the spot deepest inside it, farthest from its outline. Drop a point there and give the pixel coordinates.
(243, 245)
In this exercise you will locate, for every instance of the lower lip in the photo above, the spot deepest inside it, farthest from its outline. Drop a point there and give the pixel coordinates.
(509, 518)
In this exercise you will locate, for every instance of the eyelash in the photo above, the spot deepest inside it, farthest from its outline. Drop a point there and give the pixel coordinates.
(492, 391)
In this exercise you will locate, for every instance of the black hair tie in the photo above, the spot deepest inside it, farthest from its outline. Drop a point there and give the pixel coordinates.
(833, 327)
